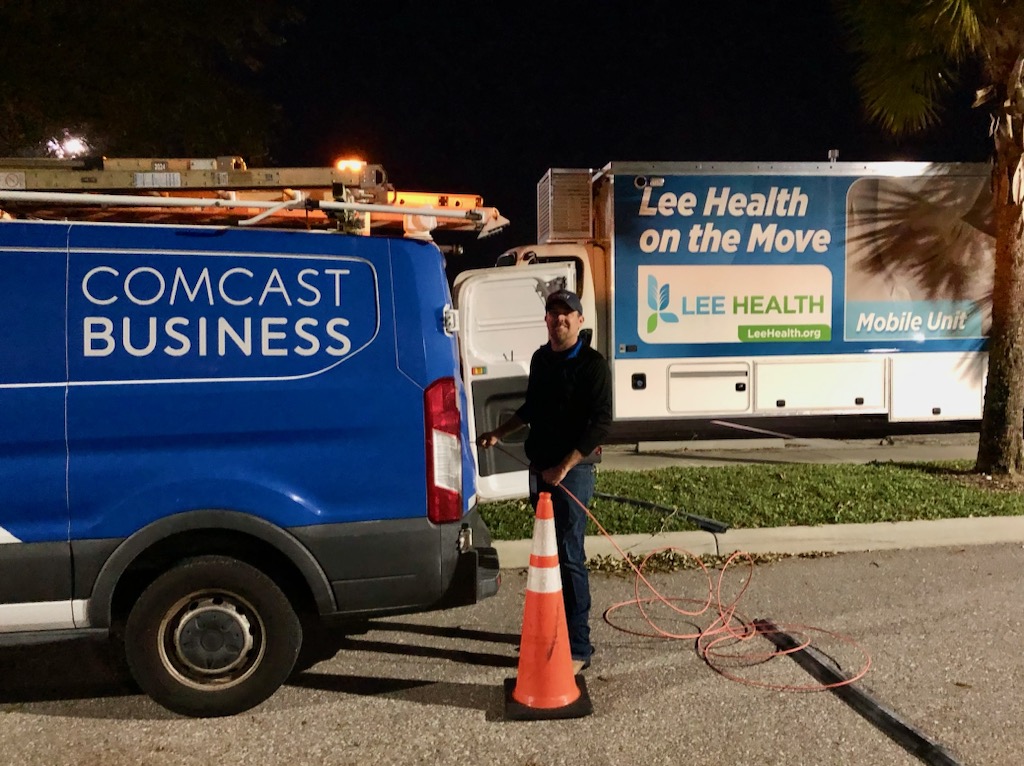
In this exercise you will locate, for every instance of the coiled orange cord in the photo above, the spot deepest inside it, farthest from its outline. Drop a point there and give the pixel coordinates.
(728, 629)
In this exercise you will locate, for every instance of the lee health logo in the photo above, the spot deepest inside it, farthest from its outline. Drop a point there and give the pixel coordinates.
(657, 302)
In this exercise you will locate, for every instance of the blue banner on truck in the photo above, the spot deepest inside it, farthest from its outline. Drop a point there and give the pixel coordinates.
(716, 265)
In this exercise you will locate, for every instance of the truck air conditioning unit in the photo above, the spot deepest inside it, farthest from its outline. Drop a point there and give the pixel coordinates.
(564, 206)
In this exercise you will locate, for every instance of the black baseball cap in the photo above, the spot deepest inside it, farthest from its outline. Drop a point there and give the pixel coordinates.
(567, 297)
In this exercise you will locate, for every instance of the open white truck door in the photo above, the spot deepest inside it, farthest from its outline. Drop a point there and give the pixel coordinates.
(501, 324)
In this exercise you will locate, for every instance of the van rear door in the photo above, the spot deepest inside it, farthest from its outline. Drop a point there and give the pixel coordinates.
(501, 324)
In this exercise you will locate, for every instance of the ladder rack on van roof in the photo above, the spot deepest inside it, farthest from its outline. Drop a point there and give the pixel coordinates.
(352, 196)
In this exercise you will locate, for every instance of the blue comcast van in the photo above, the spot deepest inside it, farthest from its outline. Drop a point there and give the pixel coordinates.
(219, 442)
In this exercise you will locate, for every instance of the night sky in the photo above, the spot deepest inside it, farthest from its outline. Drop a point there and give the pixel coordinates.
(486, 99)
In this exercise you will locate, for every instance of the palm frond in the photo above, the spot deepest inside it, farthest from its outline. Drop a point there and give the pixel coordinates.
(902, 99)
(910, 52)
(955, 26)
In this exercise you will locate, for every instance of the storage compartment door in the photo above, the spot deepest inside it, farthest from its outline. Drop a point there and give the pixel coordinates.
(835, 386)
(709, 388)
(938, 387)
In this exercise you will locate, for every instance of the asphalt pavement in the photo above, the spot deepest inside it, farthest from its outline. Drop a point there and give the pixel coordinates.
(515, 554)
(941, 627)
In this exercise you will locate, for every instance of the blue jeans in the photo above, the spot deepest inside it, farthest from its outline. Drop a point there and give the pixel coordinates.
(570, 526)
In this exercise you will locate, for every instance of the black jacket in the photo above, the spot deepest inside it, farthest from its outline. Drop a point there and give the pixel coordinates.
(568, 404)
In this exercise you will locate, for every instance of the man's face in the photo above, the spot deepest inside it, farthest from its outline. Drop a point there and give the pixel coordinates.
(563, 326)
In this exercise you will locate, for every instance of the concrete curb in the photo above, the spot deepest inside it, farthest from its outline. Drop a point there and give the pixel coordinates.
(515, 554)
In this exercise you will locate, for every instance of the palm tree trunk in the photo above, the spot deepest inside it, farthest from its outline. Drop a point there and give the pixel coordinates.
(1001, 445)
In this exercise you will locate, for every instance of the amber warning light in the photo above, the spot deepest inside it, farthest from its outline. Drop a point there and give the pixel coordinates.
(350, 164)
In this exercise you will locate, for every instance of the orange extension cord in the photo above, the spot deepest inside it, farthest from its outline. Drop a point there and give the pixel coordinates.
(717, 643)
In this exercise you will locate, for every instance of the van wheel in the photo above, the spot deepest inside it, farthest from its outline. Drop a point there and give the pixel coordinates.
(211, 637)
(318, 644)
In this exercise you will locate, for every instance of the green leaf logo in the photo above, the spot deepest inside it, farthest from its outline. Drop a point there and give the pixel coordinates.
(657, 301)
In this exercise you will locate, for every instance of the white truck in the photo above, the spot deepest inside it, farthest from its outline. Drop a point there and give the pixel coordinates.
(804, 299)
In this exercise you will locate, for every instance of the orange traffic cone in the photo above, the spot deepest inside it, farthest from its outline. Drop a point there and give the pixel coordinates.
(545, 687)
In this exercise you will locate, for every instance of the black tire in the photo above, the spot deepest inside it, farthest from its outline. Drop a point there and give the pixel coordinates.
(319, 643)
(212, 637)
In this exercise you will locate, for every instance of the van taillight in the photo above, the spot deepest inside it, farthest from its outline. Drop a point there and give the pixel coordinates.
(444, 451)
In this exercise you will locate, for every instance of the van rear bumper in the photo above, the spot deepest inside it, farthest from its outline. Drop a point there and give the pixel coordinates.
(488, 573)
(477, 576)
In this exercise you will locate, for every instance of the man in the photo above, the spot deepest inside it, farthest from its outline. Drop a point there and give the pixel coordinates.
(569, 410)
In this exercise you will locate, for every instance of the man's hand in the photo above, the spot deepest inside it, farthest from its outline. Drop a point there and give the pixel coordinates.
(489, 438)
(555, 474)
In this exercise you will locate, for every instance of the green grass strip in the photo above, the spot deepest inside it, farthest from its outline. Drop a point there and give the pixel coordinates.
(776, 495)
